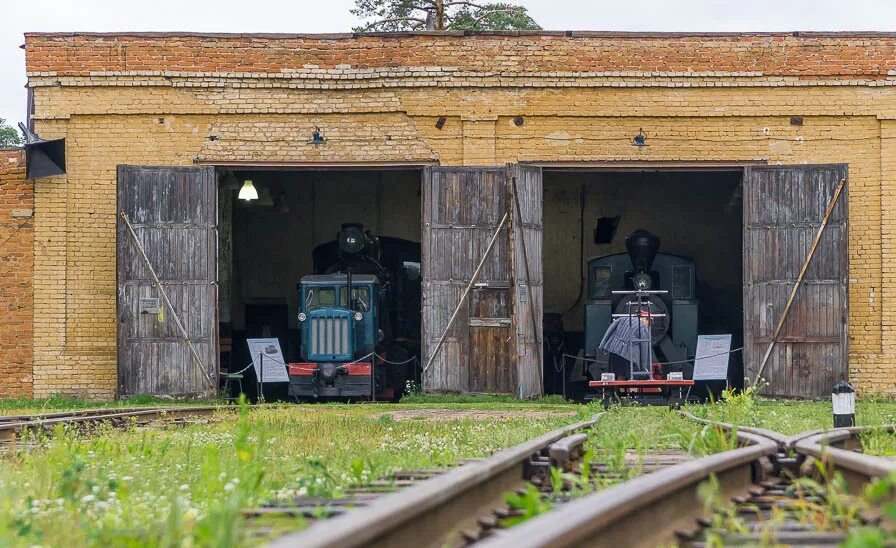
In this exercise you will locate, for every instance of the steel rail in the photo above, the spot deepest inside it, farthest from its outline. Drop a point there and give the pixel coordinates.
(628, 514)
(11, 430)
(425, 513)
(830, 448)
(76, 413)
(833, 445)
(782, 440)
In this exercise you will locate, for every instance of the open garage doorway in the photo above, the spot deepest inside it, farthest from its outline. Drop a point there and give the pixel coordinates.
(697, 217)
(270, 244)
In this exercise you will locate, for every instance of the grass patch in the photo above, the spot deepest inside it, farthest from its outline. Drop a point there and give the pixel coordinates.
(645, 429)
(878, 442)
(791, 417)
(186, 486)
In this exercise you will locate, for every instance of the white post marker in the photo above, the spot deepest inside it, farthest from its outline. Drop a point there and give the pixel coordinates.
(843, 398)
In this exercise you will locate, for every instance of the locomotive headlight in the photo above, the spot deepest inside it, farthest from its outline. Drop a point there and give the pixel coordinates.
(351, 239)
(302, 317)
(643, 281)
(358, 316)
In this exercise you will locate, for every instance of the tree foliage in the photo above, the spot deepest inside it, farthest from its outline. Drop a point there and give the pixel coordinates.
(9, 136)
(407, 15)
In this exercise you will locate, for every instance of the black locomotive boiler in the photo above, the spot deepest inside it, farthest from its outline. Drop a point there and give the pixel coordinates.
(674, 329)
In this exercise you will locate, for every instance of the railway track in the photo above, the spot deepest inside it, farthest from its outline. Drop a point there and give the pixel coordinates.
(14, 427)
(759, 494)
(461, 506)
(438, 509)
(768, 492)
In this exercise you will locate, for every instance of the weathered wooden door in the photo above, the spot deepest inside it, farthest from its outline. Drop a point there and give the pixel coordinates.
(783, 210)
(173, 212)
(528, 302)
(462, 209)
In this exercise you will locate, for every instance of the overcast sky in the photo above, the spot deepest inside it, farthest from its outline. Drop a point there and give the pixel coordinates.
(20, 16)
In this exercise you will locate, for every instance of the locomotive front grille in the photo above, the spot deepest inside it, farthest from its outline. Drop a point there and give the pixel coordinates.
(330, 335)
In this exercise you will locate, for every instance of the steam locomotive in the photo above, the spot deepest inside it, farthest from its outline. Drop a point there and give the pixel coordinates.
(672, 277)
(359, 318)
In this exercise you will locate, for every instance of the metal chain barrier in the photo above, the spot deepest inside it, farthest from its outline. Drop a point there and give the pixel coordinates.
(689, 360)
(414, 359)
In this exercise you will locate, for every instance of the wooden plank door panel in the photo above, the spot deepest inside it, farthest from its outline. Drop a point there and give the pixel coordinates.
(173, 211)
(783, 210)
(528, 306)
(462, 208)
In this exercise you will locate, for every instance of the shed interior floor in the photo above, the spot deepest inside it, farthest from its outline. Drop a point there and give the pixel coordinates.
(265, 246)
(698, 214)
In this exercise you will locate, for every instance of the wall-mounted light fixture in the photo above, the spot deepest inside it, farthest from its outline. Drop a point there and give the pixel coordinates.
(518, 121)
(640, 140)
(248, 191)
(317, 137)
(440, 123)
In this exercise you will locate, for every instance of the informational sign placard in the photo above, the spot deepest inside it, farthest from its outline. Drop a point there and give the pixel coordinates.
(711, 363)
(274, 364)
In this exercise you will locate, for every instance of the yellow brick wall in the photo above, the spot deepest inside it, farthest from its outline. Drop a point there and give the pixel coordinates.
(155, 123)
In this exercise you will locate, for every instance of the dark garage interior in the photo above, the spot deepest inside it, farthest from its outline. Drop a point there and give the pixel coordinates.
(266, 245)
(589, 214)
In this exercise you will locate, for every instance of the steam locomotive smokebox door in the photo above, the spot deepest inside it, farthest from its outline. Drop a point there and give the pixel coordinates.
(674, 330)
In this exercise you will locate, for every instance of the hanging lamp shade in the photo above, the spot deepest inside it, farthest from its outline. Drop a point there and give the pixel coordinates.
(248, 191)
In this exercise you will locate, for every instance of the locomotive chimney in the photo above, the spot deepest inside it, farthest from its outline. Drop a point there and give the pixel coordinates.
(642, 247)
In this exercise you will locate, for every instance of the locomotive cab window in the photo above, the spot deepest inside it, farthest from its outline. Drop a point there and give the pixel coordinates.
(319, 297)
(360, 298)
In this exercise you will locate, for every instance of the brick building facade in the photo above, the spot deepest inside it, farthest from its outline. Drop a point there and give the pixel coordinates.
(180, 99)
(16, 273)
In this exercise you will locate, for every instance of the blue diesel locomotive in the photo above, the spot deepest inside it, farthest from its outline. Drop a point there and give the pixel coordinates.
(359, 319)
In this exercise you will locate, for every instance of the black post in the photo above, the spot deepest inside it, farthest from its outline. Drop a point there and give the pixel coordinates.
(348, 283)
(261, 377)
(564, 377)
